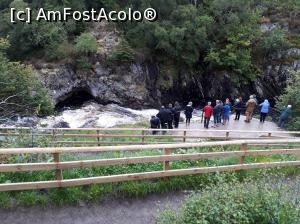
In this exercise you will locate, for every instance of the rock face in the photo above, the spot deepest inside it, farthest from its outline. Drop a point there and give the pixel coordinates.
(127, 85)
(123, 85)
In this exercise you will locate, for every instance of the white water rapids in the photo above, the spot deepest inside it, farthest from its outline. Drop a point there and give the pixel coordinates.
(91, 114)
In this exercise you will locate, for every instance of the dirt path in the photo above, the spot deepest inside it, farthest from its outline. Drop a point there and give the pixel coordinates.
(107, 211)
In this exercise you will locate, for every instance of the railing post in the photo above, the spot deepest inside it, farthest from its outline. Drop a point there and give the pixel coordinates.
(58, 172)
(243, 148)
(98, 137)
(143, 136)
(167, 163)
(53, 137)
(227, 135)
(184, 136)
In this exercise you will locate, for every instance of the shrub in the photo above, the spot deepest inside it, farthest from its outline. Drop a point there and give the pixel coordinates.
(123, 53)
(247, 203)
(86, 44)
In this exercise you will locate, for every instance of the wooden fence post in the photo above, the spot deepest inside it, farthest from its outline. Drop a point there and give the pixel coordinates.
(143, 136)
(53, 137)
(184, 136)
(58, 172)
(227, 135)
(98, 137)
(167, 163)
(243, 148)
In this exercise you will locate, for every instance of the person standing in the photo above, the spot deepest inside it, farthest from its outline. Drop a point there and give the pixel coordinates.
(284, 116)
(207, 113)
(250, 107)
(154, 123)
(238, 106)
(226, 113)
(171, 116)
(217, 113)
(164, 116)
(188, 111)
(265, 106)
(176, 110)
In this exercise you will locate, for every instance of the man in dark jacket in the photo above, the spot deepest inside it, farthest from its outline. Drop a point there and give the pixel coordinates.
(176, 110)
(164, 116)
(171, 119)
(217, 113)
(238, 106)
(188, 111)
(155, 123)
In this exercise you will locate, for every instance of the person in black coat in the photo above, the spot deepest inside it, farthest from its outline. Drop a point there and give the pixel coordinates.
(164, 116)
(154, 123)
(171, 119)
(238, 106)
(176, 111)
(188, 111)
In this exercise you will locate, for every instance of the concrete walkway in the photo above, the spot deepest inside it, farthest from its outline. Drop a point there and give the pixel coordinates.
(248, 130)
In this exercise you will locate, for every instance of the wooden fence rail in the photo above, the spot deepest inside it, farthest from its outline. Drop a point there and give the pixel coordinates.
(167, 157)
(132, 136)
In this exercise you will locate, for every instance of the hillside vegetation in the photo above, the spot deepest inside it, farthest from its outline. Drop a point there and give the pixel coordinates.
(198, 38)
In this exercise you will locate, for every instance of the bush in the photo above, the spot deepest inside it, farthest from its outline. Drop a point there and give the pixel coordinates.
(123, 53)
(86, 44)
(247, 203)
(59, 51)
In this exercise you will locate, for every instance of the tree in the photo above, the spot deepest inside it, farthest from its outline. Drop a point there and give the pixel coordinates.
(291, 96)
(21, 92)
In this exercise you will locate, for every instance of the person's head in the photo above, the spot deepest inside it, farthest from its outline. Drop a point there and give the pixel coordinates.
(190, 103)
(251, 97)
(240, 98)
(209, 103)
(237, 100)
(170, 105)
(266, 101)
(227, 100)
(289, 106)
(217, 102)
(177, 104)
(162, 107)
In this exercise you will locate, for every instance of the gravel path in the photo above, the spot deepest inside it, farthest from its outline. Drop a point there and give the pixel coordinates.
(106, 211)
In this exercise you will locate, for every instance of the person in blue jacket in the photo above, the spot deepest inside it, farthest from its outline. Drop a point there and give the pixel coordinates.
(265, 107)
(226, 113)
(284, 116)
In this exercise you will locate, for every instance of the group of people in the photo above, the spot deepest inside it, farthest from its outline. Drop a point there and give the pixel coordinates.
(168, 118)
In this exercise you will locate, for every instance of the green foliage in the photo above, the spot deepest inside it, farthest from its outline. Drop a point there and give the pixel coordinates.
(123, 53)
(274, 41)
(86, 44)
(21, 92)
(291, 96)
(249, 203)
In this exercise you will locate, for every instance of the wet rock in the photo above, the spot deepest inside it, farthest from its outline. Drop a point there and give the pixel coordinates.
(61, 124)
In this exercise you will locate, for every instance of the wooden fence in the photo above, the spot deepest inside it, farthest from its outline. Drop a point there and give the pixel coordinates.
(133, 136)
(166, 158)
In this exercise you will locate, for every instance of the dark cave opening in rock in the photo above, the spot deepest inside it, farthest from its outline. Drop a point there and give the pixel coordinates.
(74, 100)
